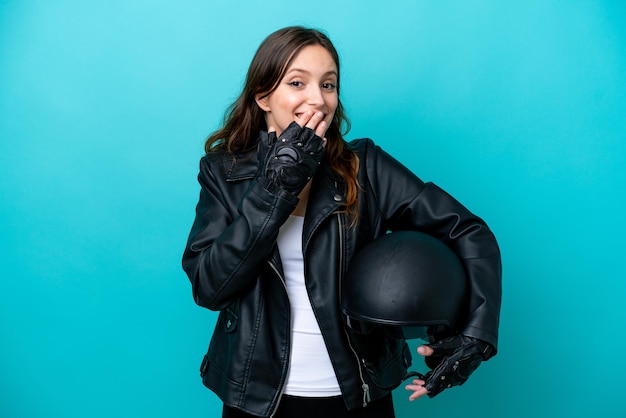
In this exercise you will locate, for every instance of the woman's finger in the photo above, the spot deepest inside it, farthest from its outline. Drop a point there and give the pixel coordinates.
(418, 391)
(304, 119)
(321, 129)
(424, 350)
(315, 120)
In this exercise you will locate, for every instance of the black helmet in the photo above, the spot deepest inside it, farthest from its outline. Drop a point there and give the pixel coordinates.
(407, 282)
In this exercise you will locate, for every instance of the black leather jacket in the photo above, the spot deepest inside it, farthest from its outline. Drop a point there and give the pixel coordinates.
(235, 268)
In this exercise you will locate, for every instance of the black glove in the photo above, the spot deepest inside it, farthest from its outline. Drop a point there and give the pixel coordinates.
(290, 161)
(453, 361)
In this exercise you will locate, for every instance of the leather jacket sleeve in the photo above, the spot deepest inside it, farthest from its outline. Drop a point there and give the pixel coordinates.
(226, 248)
(406, 202)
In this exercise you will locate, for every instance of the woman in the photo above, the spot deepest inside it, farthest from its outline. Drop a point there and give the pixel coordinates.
(285, 203)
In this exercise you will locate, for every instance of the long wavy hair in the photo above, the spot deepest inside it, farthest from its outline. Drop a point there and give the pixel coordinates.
(244, 119)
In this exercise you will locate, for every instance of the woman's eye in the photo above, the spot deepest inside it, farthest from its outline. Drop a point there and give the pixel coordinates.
(296, 83)
(329, 86)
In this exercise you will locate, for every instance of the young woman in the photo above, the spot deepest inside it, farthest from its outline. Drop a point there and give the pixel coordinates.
(285, 203)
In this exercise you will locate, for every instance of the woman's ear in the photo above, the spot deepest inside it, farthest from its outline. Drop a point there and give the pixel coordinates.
(262, 102)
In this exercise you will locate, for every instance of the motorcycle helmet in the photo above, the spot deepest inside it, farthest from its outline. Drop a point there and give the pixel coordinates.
(407, 282)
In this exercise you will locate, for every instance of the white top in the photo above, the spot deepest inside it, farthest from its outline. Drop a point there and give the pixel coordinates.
(310, 374)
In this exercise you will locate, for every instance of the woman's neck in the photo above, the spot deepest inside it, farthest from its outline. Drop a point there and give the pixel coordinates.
(300, 209)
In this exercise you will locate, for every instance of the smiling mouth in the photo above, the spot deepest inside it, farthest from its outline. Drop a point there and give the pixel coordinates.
(299, 115)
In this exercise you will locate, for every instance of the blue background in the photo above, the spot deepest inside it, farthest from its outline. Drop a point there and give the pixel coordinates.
(516, 108)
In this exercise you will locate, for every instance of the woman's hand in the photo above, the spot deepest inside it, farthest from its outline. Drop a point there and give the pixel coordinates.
(418, 384)
(452, 361)
(292, 159)
(312, 120)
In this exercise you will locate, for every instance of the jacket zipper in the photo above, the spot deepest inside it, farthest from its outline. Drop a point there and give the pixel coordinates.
(364, 386)
(284, 386)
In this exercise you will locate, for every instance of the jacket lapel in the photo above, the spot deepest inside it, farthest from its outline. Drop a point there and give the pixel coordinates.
(326, 196)
(242, 166)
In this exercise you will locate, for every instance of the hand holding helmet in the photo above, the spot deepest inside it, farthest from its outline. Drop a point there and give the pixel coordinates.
(411, 285)
(453, 361)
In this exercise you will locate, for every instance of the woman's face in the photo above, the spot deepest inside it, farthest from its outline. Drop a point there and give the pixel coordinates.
(309, 84)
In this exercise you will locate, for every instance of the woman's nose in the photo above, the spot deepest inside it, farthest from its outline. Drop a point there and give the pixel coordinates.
(315, 96)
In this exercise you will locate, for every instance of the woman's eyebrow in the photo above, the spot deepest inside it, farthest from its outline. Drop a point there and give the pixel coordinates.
(301, 70)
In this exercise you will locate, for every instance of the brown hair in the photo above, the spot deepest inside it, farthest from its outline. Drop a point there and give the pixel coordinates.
(244, 119)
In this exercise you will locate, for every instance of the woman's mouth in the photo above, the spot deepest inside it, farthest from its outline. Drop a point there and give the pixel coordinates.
(299, 115)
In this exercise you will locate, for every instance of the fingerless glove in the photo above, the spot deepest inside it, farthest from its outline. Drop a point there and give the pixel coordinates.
(289, 161)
